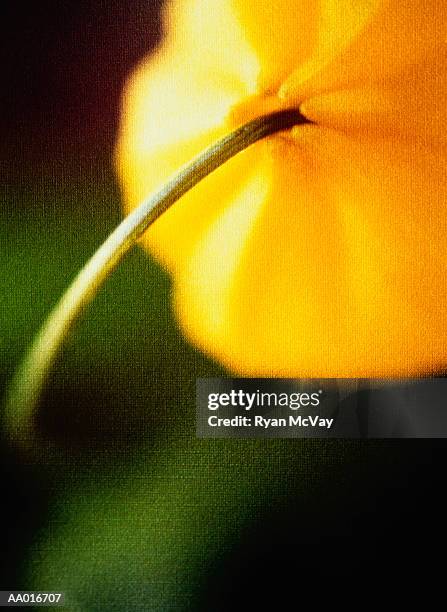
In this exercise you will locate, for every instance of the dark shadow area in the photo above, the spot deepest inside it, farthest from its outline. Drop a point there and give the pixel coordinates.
(24, 500)
(63, 68)
(371, 535)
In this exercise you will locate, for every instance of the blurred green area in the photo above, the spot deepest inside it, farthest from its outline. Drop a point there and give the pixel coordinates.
(123, 385)
(127, 353)
(129, 511)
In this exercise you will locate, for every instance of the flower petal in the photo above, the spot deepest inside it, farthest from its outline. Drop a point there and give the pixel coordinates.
(408, 104)
(343, 268)
(283, 34)
(396, 35)
(318, 253)
(175, 105)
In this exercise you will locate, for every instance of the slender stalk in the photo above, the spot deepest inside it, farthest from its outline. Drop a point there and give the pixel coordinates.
(23, 397)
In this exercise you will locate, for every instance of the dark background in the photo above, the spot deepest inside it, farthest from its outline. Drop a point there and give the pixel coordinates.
(63, 67)
(283, 514)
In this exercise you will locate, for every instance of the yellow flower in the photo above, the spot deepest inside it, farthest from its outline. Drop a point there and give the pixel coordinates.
(320, 251)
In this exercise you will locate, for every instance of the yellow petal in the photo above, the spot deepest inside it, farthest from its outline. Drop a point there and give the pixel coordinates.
(174, 106)
(315, 253)
(408, 104)
(342, 272)
(383, 38)
(283, 34)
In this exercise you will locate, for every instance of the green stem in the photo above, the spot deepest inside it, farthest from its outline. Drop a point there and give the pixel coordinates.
(26, 387)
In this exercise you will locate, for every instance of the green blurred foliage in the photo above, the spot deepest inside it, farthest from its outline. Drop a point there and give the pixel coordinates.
(127, 355)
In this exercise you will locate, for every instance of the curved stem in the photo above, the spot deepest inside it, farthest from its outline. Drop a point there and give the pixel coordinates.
(27, 385)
